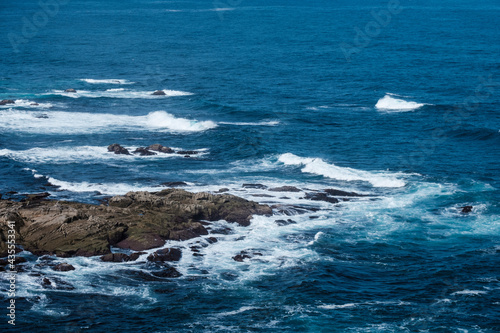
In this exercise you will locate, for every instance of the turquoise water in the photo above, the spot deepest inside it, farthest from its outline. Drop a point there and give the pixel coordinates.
(396, 102)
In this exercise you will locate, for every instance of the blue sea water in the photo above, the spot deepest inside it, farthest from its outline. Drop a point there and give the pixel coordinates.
(397, 100)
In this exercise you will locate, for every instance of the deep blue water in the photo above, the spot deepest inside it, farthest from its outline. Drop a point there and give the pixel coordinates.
(264, 92)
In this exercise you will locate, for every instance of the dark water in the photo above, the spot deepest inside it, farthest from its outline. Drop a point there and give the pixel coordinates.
(277, 93)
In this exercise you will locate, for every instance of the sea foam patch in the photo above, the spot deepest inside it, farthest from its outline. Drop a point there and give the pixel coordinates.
(81, 122)
(390, 102)
(107, 81)
(117, 93)
(25, 103)
(320, 167)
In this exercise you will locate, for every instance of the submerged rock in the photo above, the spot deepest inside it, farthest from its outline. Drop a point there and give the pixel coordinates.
(342, 193)
(187, 152)
(71, 90)
(258, 186)
(7, 101)
(115, 257)
(159, 93)
(117, 149)
(320, 197)
(136, 220)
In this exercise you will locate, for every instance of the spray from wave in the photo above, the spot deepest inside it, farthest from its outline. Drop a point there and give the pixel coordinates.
(390, 103)
(320, 167)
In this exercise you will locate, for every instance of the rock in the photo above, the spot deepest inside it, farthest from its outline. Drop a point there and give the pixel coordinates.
(159, 93)
(115, 257)
(117, 149)
(466, 209)
(212, 240)
(36, 197)
(138, 221)
(320, 197)
(141, 242)
(17, 260)
(64, 267)
(285, 189)
(7, 101)
(46, 282)
(258, 186)
(134, 256)
(34, 104)
(169, 254)
(70, 90)
(284, 222)
(262, 196)
(174, 184)
(245, 255)
(161, 149)
(223, 190)
(342, 193)
(170, 272)
(187, 152)
(143, 152)
(42, 116)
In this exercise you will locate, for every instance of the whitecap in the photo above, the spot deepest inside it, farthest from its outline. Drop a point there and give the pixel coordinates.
(107, 81)
(80, 122)
(337, 306)
(470, 292)
(24, 103)
(261, 123)
(118, 93)
(319, 167)
(390, 103)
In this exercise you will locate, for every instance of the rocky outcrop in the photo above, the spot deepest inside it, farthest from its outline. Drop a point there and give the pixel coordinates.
(64, 267)
(159, 93)
(162, 149)
(136, 221)
(170, 254)
(143, 152)
(7, 101)
(285, 189)
(466, 209)
(187, 152)
(117, 149)
(71, 90)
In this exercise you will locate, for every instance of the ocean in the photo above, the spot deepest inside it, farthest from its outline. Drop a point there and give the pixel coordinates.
(395, 100)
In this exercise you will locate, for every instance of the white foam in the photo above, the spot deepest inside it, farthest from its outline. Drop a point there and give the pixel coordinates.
(107, 81)
(104, 188)
(261, 123)
(25, 103)
(320, 167)
(79, 122)
(470, 292)
(390, 103)
(81, 154)
(118, 93)
(337, 306)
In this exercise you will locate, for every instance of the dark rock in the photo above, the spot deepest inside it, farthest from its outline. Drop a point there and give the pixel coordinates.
(245, 255)
(17, 260)
(466, 209)
(117, 149)
(170, 272)
(64, 267)
(342, 193)
(7, 101)
(293, 210)
(169, 254)
(134, 256)
(141, 242)
(46, 282)
(258, 186)
(285, 189)
(212, 240)
(159, 93)
(284, 222)
(320, 197)
(262, 196)
(34, 104)
(143, 152)
(222, 190)
(187, 152)
(36, 196)
(70, 90)
(115, 257)
(174, 184)
(161, 149)
(42, 116)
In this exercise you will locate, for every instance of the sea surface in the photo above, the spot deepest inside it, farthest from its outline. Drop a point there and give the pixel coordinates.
(395, 100)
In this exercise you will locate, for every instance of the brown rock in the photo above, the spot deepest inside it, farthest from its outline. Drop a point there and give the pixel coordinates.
(64, 267)
(117, 149)
(160, 148)
(7, 101)
(169, 254)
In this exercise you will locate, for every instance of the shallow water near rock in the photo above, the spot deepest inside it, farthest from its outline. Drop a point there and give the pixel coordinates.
(393, 142)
